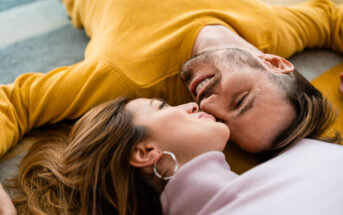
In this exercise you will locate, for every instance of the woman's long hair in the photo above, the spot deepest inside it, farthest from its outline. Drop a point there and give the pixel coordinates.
(89, 171)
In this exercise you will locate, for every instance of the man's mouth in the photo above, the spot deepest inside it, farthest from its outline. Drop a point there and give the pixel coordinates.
(198, 85)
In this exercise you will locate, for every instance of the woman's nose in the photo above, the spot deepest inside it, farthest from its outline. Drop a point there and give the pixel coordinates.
(191, 107)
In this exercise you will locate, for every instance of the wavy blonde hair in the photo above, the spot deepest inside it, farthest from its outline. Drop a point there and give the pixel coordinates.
(87, 172)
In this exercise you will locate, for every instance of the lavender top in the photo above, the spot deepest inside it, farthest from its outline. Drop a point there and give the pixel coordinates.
(306, 179)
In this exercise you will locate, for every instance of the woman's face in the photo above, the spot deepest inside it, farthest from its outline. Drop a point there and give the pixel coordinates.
(182, 130)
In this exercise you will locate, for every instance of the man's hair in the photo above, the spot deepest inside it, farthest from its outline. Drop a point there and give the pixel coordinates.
(314, 113)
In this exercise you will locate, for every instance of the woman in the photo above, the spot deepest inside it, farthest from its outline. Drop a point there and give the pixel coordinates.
(108, 165)
(122, 154)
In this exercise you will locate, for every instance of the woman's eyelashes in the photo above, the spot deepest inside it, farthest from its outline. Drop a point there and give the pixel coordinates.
(163, 105)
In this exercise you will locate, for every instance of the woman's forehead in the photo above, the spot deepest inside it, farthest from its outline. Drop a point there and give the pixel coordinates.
(142, 105)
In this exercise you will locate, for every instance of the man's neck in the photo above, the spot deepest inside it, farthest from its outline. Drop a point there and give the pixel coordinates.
(218, 37)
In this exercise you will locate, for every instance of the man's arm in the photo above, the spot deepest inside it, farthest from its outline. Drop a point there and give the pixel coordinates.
(318, 23)
(279, 30)
(64, 93)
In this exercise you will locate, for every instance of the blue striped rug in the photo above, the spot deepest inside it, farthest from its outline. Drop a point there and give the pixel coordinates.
(36, 36)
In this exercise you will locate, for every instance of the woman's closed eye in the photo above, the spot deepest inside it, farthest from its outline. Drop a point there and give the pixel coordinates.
(163, 105)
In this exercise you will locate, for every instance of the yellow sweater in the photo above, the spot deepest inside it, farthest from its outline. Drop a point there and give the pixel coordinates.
(138, 46)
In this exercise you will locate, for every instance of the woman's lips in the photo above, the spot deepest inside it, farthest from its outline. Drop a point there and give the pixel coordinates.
(206, 115)
(196, 81)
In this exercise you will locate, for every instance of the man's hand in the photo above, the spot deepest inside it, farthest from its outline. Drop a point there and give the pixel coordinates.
(341, 85)
(6, 205)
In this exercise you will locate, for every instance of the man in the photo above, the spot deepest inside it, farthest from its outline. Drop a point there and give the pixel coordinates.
(138, 47)
(266, 103)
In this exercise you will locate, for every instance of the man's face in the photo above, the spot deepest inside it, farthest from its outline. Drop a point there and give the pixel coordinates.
(243, 97)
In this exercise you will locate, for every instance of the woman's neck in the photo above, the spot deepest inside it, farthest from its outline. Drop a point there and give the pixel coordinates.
(218, 37)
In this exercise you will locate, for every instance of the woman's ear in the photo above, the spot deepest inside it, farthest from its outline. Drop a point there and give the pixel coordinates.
(277, 64)
(145, 155)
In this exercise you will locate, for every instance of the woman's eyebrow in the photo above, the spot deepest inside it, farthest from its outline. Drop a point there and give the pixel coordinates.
(151, 101)
(158, 99)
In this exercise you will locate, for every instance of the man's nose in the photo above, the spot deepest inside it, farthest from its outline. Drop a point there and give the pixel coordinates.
(191, 107)
(214, 106)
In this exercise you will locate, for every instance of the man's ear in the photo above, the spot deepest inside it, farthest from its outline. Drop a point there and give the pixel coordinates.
(277, 64)
(145, 154)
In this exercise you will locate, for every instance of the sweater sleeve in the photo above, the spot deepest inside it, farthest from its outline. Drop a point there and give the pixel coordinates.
(195, 185)
(313, 24)
(65, 93)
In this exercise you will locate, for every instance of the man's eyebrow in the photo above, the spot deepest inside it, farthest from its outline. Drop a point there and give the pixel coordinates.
(246, 107)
